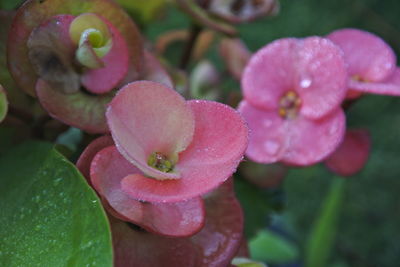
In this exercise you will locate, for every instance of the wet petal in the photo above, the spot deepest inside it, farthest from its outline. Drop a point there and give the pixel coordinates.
(321, 76)
(352, 154)
(390, 86)
(139, 248)
(81, 110)
(269, 74)
(85, 159)
(368, 56)
(310, 141)
(221, 237)
(218, 145)
(215, 245)
(147, 117)
(267, 133)
(107, 170)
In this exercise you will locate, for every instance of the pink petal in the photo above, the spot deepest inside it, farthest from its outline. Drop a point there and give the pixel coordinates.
(267, 133)
(139, 248)
(313, 67)
(312, 141)
(85, 159)
(352, 154)
(147, 117)
(109, 167)
(270, 73)
(367, 55)
(221, 237)
(299, 141)
(81, 110)
(215, 245)
(103, 80)
(321, 78)
(375, 88)
(218, 145)
(390, 86)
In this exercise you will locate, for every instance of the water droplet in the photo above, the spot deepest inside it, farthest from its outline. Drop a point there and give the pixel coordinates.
(305, 83)
(272, 147)
(57, 181)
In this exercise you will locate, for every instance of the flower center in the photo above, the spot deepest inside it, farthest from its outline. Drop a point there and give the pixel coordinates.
(358, 78)
(160, 162)
(289, 105)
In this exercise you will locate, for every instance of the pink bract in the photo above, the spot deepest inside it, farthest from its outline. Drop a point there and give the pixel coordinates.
(313, 67)
(293, 89)
(203, 140)
(352, 155)
(215, 245)
(104, 167)
(371, 62)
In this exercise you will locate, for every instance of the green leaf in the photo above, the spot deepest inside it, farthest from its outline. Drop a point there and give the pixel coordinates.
(49, 215)
(323, 233)
(271, 248)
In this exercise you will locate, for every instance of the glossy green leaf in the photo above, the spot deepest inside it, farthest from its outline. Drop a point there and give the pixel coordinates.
(49, 215)
(323, 233)
(271, 248)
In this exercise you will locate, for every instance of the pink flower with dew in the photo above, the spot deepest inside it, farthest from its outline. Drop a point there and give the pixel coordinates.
(167, 153)
(352, 155)
(371, 62)
(292, 90)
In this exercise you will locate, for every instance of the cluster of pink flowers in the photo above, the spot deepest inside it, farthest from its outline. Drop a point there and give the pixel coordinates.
(293, 94)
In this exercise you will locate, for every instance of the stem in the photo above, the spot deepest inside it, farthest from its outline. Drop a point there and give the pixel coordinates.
(187, 53)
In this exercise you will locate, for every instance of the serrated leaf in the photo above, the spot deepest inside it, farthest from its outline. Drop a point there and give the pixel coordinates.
(49, 215)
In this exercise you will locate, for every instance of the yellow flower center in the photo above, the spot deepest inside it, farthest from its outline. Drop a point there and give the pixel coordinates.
(289, 105)
(160, 162)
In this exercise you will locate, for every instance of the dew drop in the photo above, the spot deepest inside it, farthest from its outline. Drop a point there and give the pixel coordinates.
(271, 147)
(305, 83)
(57, 181)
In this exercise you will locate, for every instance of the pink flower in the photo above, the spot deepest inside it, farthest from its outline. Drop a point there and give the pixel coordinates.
(167, 153)
(371, 62)
(292, 90)
(352, 155)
